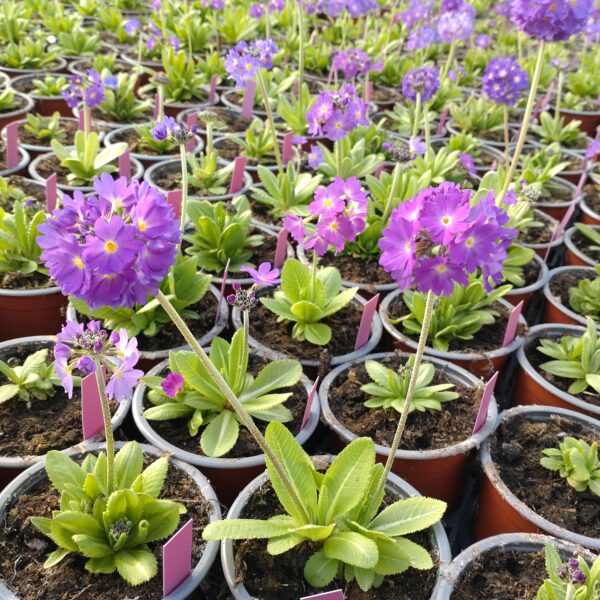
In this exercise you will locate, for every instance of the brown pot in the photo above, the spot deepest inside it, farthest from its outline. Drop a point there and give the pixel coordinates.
(588, 216)
(31, 312)
(439, 473)
(18, 113)
(546, 248)
(557, 210)
(574, 255)
(499, 510)
(554, 310)
(589, 120)
(526, 293)
(44, 105)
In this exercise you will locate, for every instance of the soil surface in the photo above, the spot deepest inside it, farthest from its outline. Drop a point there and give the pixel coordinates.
(427, 430)
(277, 577)
(168, 177)
(50, 165)
(176, 431)
(131, 138)
(70, 128)
(592, 196)
(52, 424)
(357, 270)
(502, 575)
(517, 449)
(233, 121)
(23, 549)
(229, 150)
(531, 273)
(584, 244)
(29, 281)
(33, 190)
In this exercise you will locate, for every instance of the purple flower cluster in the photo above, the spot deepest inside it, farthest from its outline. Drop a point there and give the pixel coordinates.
(437, 239)
(336, 114)
(334, 8)
(132, 26)
(114, 247)
(353, 62)
(341, 212)
(245, 59)
(417, 12)
(258, 9)
(456, 25)
(422, 80)
(177, 133)
(571, 572)
(551, 20)
(504, 81)
(402, 152)
(88, 89)
(78, 346)
(422, 37)
(213, 4)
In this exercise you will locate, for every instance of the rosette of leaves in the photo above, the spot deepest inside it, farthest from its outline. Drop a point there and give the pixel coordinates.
(285, 192)
(49, 86)
(27, 54)
(120, 103)
(292, 108)
(206, 176)
(184, 286)
(45, 128)
(278, 82)
(205, 406)
(306, 300)
(583, 85)
(111, 528)
(79, 42)
(477, 115)
(577, 462)
(575, 357)
(358, 157)
(338, 517)
(540, 168)
(456, 317)
(234, 24)
(552, 130)
(221, 233)
(401, 119)
(257, 143)
(10, 194)
(7, 100)
(585, 298)
(388, 387)
(593, 235)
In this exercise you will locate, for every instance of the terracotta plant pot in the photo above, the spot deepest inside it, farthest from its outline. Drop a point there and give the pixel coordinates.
(500, 511)
(228, 475)
(557, 210)
(523, 543)
(575, 256)
(589, 119)
(31, 312)
(482, 364)
(526, 293)
(588, 216)
(545, 249)
(532, 388)
(394, 485)
(25, 107)
(36, 473)
(554, 310)
(439, 473)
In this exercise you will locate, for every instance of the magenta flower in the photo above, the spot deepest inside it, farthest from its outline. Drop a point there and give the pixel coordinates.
(593, 150)
(264, 275)
(295, 225)
(172, 384)
(444, 217)
(439, 275)
(467, 161)
(327, 202)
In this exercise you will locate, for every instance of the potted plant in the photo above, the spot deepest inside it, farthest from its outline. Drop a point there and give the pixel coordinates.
(582, 245)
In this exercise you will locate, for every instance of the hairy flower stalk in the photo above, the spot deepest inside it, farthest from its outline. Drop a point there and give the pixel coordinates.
(301, 34)
(270, 119)
(108, 432)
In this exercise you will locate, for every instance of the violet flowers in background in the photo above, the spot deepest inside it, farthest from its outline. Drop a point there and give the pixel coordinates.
(245, 59)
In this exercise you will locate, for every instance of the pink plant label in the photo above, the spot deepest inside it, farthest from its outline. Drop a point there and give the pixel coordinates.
(564, 222)
(222, 290)
(442, 123)
(177, 558)
(488, 392)
(12, 145)
(335, 595)
(91, 406)
(237, 177)
(156, 108)
(212, 88)
(309, 403)
(51, 192)
(368, 92)
(288, 144)
(379, 170)
(125, 164)
(82, 112)
(174, 199)
(281, 248)
(364, 329)
(582, 179)
(248, 102)
(513, 323)
(192, 123)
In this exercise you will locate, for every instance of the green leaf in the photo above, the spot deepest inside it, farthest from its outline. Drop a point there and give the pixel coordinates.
(295, 280)
(408, 515)
(153, 477)
(278, 374)
(8, 391)
(62, 470)
(391, 559)
(244, 529)
(317, 333)
(168, 411)
(319, 570)
(306, 311)
(92, 547)
(417, 555)
(129, 462)
(221, 434)
(352, 548)
(279, 545)
(136, 566)
(55, 557)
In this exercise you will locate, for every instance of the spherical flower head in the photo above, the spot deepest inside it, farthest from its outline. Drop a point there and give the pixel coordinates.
(172, 384)
(423, 37)
(422, 80)
(264, 275)
(455, 25)
(504, 80)
(551, 20)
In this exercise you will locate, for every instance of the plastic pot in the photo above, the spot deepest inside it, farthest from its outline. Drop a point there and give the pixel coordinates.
(44, 105)
(589, 119)
(439, 473)
(554, 310)
(174, 166)
(507, 542)
(25, 107)
(532, 388)
(526, 293)
(59, 66)
(558, 210)
(266, 162)
(4, 80)
(588, 216)
(542, 249)
(219, 110)
(228, 475)
(394, 485)
(482, 364)
(575, 256)
(11, 466)
(231, 105)
(36, 473)
(19, 168)
(500, 511)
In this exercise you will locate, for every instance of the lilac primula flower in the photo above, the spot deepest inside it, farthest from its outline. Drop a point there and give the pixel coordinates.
(89, 88)
(296, 227)
(551, 20)
(244, 60)
(455, 25)
(467, 161)
(423, 37)
(504, 80)
(264, 275)
(162, 128)
(354, 62)
(172, 384)
(422, 80)
(593, 150)
(315, 157)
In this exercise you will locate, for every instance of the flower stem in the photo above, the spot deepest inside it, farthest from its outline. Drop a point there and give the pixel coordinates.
(427, 132)
(415, 128)
(246, 329)
(231, 398)
(506, 139)
(301, 46)
(265, 95)
(569, 592)
(337, 152)
(387, 209)
(428, 313)
(184, 185)
(160, 113)
(86, 120)
(559, 88)
(526, 118)
(108, 432)
(449, 60)
(314, 276)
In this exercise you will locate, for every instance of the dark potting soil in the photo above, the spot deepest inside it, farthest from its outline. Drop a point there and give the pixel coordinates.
(120, 66)
(30, 281)
(386, 95)
(584, 245)
(501, 574)
(168, 177)
(233, 121)
(561, 284)
(99, 116)
(427, 430)
(269, 577)
(364, 271)
(176, 431)
(263, 253)
(517, 449)
(278, 336)
(489, 337)
(230, 151)
(591, 194)
(52, 424)
(23, 548)
(536, 358)
(33, 190)
(69, 127)
(555, 195)
(131, 138)
(539, 235)
(50, 165)
(531, 272)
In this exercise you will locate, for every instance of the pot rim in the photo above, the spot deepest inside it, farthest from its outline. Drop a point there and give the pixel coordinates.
(49, 291)
(60, 61)
(570, 244)
(199, 571)
(199, 460)
(30, 77)
(259, 112)
(541, 281)
(23, 161)
(459, 375)
(508, 496)
(438, 535)
(587, 210)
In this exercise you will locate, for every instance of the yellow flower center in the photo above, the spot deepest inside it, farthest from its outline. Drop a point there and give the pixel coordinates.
(248, 67)
(111, 247)
(333, 226)
(141, 225)
(446, 220)
(441, 268)
(327, 203)
(78, 262)
(470, 242)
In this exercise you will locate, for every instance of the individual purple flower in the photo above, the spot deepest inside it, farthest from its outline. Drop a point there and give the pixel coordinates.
(455, 25)
(257, 10)
(579, 577)
(327, 202)
(504, 80)
(551, 20)
(162, 128)
(315, 157)
(439, 275)
(264, 275)
(423, 81)
(416, 147)
(354, 62)
(296, 226)
(467, 161)
(132, 26)
(123, 380)
(151, 43)
(172, 384)
(446, 216)
(592, 150)
(213, 4)
(89, 88)
(482, 40)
